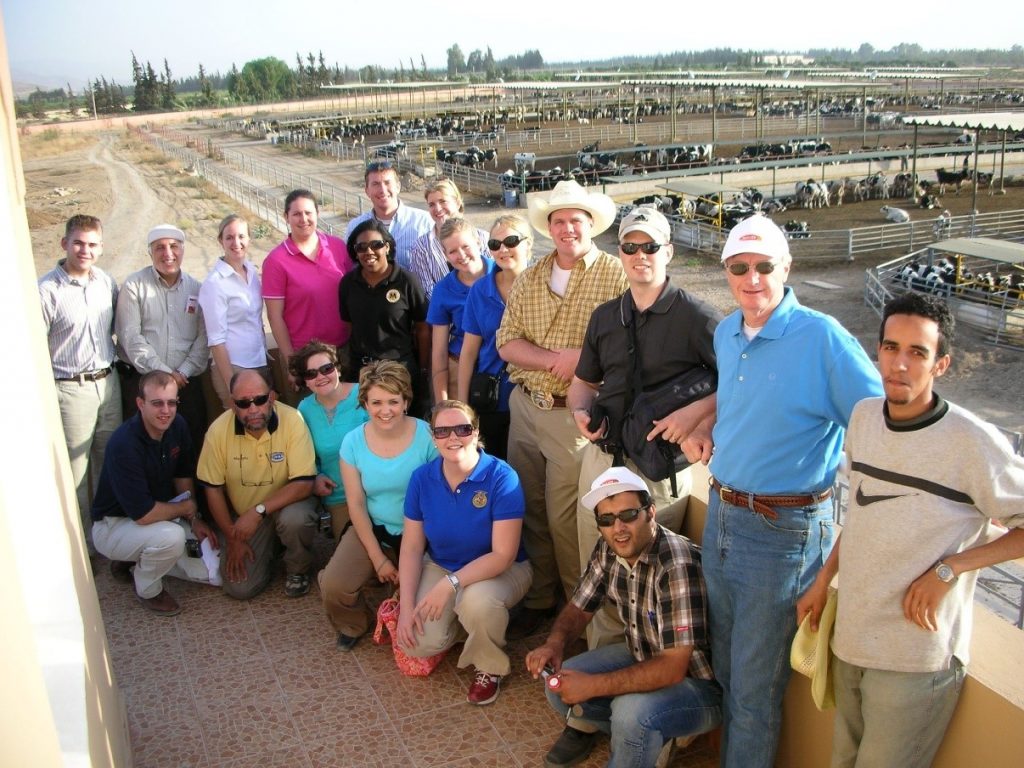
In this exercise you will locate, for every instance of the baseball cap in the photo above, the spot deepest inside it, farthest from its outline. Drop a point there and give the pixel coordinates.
(760, 235)
(610, 482)
(646, 219)
(160, 231)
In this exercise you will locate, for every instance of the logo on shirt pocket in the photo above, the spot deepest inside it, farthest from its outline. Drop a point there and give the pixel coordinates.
(480, 499)
(277, 457)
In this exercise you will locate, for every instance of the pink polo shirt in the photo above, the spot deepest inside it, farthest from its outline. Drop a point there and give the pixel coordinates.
(309, 289)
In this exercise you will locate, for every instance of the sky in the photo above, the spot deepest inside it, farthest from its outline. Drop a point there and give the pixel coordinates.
(51, 42)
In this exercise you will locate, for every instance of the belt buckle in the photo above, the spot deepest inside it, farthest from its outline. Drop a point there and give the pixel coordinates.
(543, 400)
(724, 489)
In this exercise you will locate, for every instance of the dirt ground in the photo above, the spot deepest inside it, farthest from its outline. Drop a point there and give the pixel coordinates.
(132, 187)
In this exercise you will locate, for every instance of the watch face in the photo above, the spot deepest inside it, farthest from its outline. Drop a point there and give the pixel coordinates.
(944, 572)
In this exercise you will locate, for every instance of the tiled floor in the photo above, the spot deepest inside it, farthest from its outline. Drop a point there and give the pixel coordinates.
(228, 684)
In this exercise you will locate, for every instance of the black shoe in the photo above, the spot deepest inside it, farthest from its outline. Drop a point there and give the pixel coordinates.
(121, 570)
(571, 747)
(525, 621)
(296, 585)
(345, 642)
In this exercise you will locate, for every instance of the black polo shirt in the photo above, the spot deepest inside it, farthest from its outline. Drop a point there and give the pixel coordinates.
(382, 316)
(139, 471)
(675, 334)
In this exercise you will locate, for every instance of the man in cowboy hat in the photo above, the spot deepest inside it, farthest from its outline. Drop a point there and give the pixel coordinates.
(540, 336)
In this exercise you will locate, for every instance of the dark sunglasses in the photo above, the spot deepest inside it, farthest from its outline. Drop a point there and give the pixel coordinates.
(161, 403)
(311, 373)
(741, 268)
(461, 430)
(607, 519)
(245, 403)
(509, 242)
(374, 245)
(380, 165)
(649, 248)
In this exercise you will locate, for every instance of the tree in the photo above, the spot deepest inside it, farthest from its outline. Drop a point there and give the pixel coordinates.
(475, 62)
(266, 79)
(205, 88)
(423, 61)
(166, 88)
(489, 66)
(456, 61)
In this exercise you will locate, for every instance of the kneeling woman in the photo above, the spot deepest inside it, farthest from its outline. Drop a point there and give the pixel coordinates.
(462, 564)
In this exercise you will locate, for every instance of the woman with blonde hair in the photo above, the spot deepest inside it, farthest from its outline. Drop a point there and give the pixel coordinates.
(377, 460)
(426, 256)
(462, 564)
(509, 244)
(444, 314)
(232, 302)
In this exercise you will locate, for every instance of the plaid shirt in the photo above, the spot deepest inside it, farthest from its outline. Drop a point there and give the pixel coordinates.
(544, 318)
(661, 599)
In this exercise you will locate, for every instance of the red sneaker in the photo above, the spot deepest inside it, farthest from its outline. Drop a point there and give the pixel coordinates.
(484, 689)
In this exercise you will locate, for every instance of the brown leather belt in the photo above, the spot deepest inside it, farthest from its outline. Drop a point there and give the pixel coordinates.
(81, 378)
(543, 400)
(763, 504)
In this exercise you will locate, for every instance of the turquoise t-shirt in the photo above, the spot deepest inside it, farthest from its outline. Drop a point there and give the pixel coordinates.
(327, 436)
(386, 480)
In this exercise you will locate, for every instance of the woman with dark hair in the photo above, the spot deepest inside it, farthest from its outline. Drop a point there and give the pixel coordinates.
(462, 564)
(331, 411)
(386, 308)
(300, 282)
(377, 460)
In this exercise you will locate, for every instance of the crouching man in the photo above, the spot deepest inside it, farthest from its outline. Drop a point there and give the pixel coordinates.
(918, 528)
(148, 464)
(657, 685)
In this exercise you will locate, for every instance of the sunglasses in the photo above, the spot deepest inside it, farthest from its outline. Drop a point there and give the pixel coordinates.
(607, 519)
(372, 245)
(158, 404)
(649, 248)
(741, 268)
(509, 242)
(380, 165)
(245, 403)
(311, 373)
(461, 430)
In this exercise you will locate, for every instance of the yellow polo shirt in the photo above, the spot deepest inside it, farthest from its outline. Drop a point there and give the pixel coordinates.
(249, 468)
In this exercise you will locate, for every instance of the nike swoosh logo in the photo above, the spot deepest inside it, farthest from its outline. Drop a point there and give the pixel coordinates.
(865, 500)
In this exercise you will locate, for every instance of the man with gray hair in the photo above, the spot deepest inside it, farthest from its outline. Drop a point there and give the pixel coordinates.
(160, 327)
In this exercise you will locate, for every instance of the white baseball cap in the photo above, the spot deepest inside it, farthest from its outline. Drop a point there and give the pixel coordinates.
(760, 235)
(610, 482)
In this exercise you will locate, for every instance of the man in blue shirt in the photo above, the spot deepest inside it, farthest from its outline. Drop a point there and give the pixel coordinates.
(788, 379)
(383, 188)
(145, 494)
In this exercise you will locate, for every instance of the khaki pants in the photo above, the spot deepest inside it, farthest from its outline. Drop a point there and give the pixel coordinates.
(478, 614)
(342, 582)
(605, 628)
(544, 447)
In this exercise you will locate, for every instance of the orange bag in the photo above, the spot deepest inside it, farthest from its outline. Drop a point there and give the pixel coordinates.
(387, 632)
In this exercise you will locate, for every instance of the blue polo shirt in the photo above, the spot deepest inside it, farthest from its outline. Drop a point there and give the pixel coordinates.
(139, 471)
(481, 317)
(327, 435)
(457, 524)
(448, 301)
(785, 399)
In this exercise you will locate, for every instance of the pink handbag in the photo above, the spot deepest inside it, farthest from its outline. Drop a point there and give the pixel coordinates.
(387, 632)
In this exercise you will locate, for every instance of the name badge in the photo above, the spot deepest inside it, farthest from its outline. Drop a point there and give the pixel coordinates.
(192, 305)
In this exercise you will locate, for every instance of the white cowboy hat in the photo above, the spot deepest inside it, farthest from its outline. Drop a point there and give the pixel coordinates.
(569, 194)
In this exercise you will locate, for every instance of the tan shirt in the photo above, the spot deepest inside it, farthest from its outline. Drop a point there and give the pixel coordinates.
(542, 317)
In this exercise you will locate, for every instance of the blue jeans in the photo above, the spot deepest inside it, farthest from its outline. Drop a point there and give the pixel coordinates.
(641, 723)
(892, 718)
(755, 569)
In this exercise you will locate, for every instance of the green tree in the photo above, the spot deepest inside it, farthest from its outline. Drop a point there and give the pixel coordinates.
(266, 79)
(456, 61)
(166, 88)
(205, 88)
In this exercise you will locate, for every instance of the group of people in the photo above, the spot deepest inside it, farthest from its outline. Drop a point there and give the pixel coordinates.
(680, 638)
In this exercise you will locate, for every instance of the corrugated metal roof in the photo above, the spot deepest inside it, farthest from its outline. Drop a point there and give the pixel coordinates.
(755, 83)
(698, 187)
(983, 248)
(1003, 121)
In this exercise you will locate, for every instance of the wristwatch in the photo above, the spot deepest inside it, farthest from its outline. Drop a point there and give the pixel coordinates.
(261, 510)
(945, 572)
(454, 581)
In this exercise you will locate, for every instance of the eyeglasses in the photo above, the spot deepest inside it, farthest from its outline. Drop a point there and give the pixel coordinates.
(245, 403)
(741, 268)
(607, 519)
(509, 242)
(649, 248)
(372, 245)
(159, 404)
(311, 373)
(379, 165)
(462, 430)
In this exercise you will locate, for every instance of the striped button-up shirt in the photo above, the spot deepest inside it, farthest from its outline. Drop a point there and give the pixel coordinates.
(661, 600)
(79, 320)
(542, 317)
(406, 225)
(160, 327)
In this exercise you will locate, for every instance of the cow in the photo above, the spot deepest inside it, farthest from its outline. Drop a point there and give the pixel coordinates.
(946, 177)
(895, 215)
